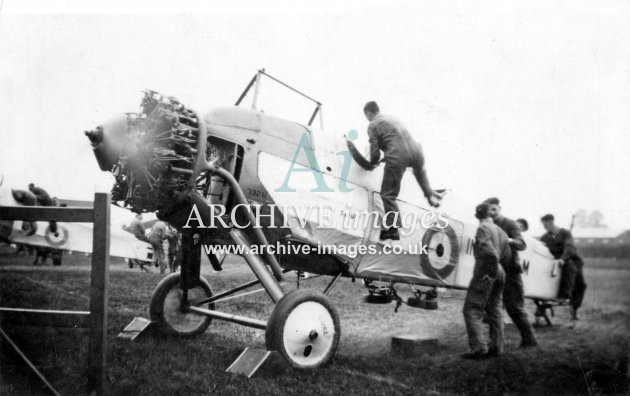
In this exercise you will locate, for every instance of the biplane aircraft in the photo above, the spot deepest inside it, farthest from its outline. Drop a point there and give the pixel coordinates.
(216, 176)
(64, 236)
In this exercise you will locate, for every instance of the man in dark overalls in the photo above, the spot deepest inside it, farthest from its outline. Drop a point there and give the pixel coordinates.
(27, 198)
(44, 199)
(560, 244)
(486, 286)
(400, 152)
(513, 292)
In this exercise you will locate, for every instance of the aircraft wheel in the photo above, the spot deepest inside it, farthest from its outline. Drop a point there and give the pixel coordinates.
(378, 298)
(304, 328)
(166, 307)
(423, 304)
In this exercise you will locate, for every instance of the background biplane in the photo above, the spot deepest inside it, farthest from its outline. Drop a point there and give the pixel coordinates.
(67, 236)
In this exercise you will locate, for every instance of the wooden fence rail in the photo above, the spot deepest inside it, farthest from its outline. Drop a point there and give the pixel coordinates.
(96, 319)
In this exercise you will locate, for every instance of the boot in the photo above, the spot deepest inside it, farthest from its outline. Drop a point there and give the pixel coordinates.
(391, 233)
(478, 354)
(574, 314)
(436, 198)
(528, 343)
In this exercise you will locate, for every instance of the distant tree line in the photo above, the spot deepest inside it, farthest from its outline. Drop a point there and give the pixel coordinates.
(584, 219)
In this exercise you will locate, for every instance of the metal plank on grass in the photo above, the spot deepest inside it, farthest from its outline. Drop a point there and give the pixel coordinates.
(249, 361)
(135, 328)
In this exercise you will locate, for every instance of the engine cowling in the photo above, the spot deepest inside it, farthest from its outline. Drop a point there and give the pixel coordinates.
(152, 154)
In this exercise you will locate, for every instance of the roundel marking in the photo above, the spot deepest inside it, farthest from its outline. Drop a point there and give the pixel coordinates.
(443, 252)
(56, 238)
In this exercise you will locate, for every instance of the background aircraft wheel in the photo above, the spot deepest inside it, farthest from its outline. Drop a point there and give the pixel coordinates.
(166, 303)
(423, 304)
(378, 298)
(304, 328)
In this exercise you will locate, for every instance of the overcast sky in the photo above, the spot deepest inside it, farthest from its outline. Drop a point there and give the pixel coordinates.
(527, 101)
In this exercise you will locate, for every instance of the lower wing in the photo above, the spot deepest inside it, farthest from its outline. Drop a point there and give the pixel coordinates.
(75, 237)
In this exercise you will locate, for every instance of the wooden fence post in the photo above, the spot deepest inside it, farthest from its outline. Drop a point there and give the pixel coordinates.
(99, 295)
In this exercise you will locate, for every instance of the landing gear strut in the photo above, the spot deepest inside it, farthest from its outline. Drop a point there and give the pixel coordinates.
(303, 327)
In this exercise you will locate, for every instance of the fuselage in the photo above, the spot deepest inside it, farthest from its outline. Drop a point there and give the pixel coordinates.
(170, 159)
(269, 150)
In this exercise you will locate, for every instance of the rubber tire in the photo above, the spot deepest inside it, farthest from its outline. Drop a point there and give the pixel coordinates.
(428, 304)
(156, 307)
(276, 323)
(378, 299)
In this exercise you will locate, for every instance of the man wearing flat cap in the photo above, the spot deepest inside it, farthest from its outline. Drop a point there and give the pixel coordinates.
(483, 298)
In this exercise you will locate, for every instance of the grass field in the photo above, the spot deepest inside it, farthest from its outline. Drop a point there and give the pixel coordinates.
(589, 358)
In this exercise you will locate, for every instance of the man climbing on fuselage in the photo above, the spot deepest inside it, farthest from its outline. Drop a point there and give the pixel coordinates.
(401, 151)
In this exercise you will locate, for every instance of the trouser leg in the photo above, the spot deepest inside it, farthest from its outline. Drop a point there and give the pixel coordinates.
(421, 175)
(190, 259)
(473, 316)
(514, 302)
(43, 253)
(474, 311)
(57, 257)
(177, 259)
(158, 249)
(171, 263)
(162, 259)
(493, 310)
(567, 280)
(579, 288)
(390, 188)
